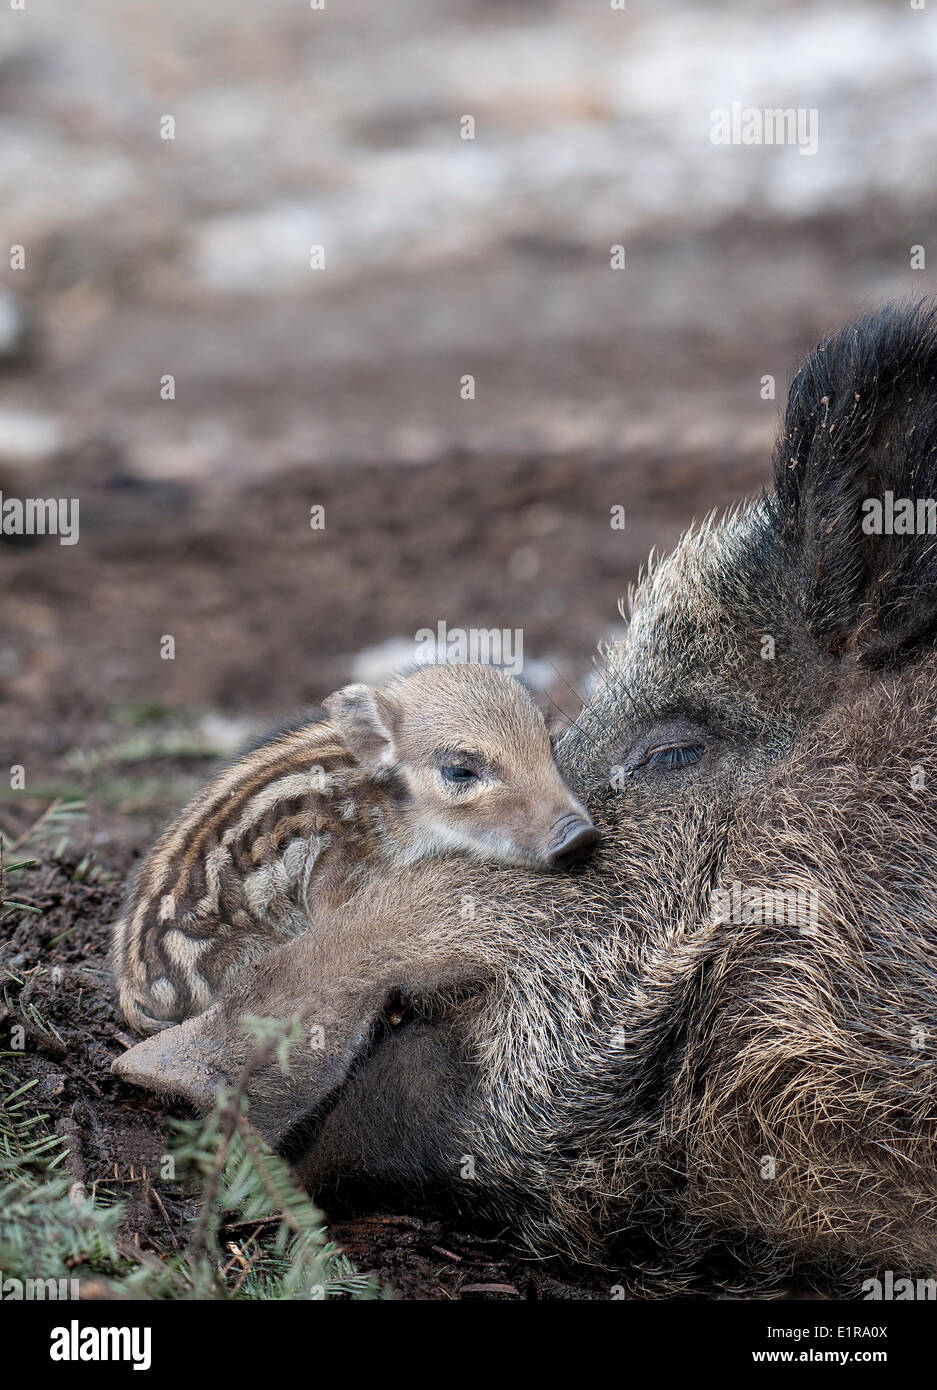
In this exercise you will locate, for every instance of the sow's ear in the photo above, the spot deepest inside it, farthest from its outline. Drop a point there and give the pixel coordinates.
(191, 1060)
(856, 485)
(187, 1061)
(289, 984)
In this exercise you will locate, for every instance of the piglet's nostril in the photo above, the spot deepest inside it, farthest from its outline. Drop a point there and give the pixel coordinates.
(574, 839)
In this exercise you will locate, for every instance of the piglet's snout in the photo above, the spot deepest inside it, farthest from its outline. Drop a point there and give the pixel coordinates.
(573, 840)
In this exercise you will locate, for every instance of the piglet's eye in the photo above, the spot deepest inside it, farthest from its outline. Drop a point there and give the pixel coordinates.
(457, 772)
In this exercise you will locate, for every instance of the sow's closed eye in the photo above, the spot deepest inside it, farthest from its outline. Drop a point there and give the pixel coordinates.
(662, 749)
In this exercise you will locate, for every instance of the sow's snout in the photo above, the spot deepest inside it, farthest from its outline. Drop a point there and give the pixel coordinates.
(573, 840)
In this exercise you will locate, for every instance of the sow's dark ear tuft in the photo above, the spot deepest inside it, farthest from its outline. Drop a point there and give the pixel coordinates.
(856, 484)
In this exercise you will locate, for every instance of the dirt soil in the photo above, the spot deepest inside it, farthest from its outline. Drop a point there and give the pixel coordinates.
(147, 257)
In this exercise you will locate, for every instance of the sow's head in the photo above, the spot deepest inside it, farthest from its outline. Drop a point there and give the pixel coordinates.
(720, 1035)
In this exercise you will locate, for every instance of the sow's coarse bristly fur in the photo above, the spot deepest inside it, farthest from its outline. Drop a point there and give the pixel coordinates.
(608, 1064)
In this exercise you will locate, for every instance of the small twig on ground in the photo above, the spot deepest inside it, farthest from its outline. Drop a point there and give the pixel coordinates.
(67, 1127)
(256, 1221)
(152, 1192)
(31, 830)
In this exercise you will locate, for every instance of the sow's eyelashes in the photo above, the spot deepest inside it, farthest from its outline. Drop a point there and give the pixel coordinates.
(666, 752)
(678, 756)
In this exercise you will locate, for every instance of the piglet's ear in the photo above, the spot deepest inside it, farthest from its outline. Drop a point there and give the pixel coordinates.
(365, 718)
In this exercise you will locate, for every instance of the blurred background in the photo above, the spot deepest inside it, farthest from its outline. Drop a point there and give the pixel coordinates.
(342, 386)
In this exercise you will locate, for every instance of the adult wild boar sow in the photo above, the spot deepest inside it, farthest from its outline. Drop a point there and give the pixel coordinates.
(712, 1056)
